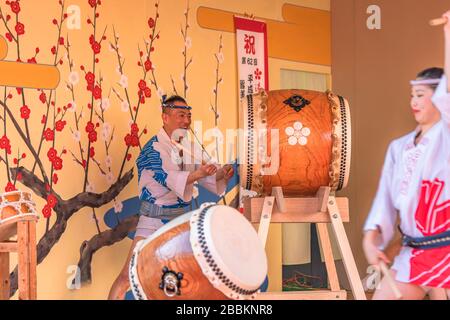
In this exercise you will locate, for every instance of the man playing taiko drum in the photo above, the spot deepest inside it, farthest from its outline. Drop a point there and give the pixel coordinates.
(166, 182)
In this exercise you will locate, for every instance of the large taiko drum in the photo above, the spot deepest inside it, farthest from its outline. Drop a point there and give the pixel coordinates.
(313, 132)
(212, 253)
(15, 206)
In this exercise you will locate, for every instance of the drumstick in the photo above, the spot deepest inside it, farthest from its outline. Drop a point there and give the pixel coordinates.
(438, 22)
(230, 159)
(188, 152)
(390, 280)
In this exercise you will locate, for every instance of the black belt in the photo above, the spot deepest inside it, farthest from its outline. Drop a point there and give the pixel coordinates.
(430, 242)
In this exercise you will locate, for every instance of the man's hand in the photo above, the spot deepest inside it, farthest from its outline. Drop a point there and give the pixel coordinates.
(202, 172)
(207, 170)
(226, 172)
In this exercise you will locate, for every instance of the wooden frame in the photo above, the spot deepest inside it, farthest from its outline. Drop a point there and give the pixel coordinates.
(25, 247)
(323, 209)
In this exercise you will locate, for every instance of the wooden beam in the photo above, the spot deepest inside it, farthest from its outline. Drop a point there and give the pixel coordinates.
(303, 295)
(8, 246)
(324, 238)
(23, 260)
(311, 32)
(4, 275)
(32, 254)
(298, 210)
(263, 229)
(345, 249)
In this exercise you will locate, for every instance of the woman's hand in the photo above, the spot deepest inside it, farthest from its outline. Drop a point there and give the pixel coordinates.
(447, 25)
(373, 254)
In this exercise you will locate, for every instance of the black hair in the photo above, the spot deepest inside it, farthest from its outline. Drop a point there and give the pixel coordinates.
(431, 73)
(171, 100)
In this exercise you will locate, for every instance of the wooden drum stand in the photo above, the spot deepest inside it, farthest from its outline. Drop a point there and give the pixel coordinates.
(322, 209)
(25, 247)
(22, 75)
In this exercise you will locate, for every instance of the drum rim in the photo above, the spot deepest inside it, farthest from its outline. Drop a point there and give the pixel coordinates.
(203, 254)
(339, 170)
(250, 172)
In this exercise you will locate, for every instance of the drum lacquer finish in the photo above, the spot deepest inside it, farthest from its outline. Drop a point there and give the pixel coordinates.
(314, 143)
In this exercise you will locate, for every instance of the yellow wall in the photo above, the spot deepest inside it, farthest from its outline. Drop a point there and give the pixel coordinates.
(130, 21)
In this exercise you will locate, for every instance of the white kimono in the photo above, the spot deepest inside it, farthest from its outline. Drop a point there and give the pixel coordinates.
(163, 175)
(415, 184)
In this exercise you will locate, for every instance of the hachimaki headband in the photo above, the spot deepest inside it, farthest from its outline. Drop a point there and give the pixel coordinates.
(171, 105)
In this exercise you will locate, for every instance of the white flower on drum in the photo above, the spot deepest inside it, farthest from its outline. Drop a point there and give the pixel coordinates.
(298, 134)
(77, 136)
(123, 81)
(118, 206)
(124, 106)
(74, 78)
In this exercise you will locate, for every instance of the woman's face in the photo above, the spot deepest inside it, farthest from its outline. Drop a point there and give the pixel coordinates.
(422, 107)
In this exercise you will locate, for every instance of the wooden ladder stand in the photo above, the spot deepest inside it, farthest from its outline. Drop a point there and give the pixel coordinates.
(322, 209)
(25, 247)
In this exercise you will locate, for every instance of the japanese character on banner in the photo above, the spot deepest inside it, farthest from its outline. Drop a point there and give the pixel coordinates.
(251, 40)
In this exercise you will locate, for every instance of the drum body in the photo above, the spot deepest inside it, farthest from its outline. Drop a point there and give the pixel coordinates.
(13, 206)
(212, 253)
(311, 147)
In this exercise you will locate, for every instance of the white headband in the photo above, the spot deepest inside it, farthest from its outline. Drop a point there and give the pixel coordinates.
(425, 82)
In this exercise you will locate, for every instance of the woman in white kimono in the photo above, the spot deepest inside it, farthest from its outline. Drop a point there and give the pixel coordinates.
(415, 185)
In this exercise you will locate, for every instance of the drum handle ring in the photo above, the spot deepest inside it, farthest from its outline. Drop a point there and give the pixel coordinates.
(171, 282)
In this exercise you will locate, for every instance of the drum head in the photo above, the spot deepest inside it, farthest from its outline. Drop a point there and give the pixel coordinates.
(228, 250)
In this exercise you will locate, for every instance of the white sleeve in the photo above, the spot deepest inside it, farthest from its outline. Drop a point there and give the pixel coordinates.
(217, 187)
(383, 213)
(441, 100)
(176, 180)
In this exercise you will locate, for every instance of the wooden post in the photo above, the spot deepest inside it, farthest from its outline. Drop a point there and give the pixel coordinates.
(266, 215)
(32, 259)
(277, 192)
(346, 251)
(324, 238)
(4, 275)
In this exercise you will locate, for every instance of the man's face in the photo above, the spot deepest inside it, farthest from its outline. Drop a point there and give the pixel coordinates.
(174, 119)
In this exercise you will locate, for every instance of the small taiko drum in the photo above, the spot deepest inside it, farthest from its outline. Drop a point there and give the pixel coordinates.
(299, 140)
(212, 253)
(15, 206)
